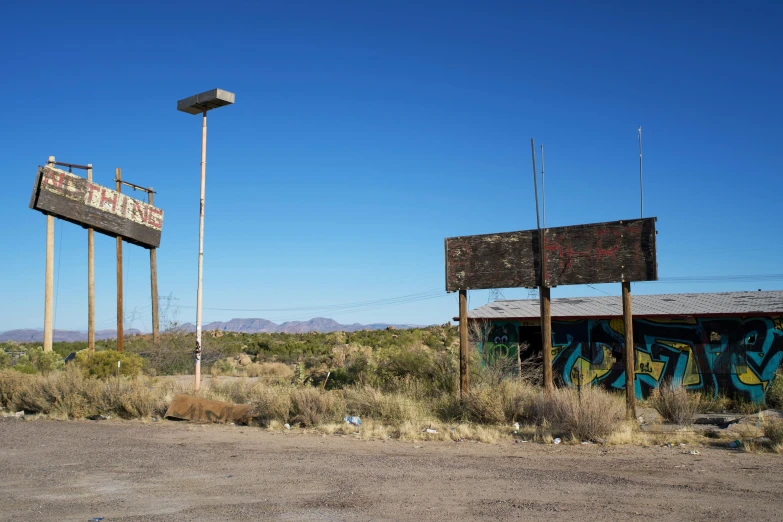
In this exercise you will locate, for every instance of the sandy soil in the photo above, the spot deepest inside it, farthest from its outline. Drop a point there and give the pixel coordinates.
(79, 470)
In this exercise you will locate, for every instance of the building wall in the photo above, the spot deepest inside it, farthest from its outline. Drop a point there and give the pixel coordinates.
(731, 356)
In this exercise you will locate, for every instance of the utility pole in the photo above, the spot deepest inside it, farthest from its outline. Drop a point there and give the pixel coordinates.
(629, 354)
(120, 328)
(49, 278)
(90, 279)
(464, 382)
(154, 282)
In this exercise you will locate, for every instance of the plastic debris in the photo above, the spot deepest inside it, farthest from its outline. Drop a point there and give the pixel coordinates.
(430, 430)
(516, 426)
(287, 426)
(356, 421)
(735, 443)
(557, 441)
(96, 519)
(694, 452)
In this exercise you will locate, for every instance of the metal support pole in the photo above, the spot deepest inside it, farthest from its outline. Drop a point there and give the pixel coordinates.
(49, 279)
(197, 352)
(154, 284)
(90, 280)
(629, 354)
(464, 382)
(120, 328)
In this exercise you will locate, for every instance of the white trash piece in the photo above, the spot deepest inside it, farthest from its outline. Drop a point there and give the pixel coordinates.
(557, 441)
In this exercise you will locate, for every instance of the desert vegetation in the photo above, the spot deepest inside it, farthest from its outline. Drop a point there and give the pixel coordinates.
(401, 383)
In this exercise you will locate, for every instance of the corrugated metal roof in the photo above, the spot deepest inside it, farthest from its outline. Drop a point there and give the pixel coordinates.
(739, 303)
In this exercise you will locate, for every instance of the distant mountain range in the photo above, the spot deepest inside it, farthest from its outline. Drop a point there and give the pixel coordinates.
(317, 324)
(68, 336)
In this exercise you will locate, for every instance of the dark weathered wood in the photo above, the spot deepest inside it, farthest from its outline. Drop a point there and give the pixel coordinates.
(84, 203)
(546, 336)
(194, 409)
(464, 381)
(120, 306)
(583, 254)
(629, 354)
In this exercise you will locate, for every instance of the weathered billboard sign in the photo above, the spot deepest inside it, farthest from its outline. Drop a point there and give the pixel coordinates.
(73, 198)
(583, 254)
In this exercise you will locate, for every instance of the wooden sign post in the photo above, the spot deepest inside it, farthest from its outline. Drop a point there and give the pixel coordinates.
(57, 193)
(90, 279)
(464, 353)
(120, 305)
(628, 354)
(617, 251)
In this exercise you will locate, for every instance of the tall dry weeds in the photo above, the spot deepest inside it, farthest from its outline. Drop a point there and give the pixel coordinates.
(593, 414)
(675, 404)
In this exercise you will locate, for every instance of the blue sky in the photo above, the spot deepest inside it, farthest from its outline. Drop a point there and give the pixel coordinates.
(364, 133)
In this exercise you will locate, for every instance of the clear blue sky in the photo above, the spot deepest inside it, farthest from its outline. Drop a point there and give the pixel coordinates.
(364, 133)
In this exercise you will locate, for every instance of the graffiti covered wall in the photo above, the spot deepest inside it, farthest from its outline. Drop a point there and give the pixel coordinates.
(732, 356)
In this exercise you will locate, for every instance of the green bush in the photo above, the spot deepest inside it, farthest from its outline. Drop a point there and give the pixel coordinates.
(103, 364)
(5, 359)
(36, 360)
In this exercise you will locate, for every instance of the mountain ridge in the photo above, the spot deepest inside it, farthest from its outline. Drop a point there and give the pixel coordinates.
(242, 325)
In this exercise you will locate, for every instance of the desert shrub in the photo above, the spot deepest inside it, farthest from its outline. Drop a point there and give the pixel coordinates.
(313, 406)
(103, 364)
(390, 408)
(270, 372)
(134, 399)
(73, 394)
(516, 399)
(271, 403)
(36, 360)
(12, 385)
(484, 405)
(775, 392)
(773, 430)
(5, 359)
(674, 403)
(595, 415)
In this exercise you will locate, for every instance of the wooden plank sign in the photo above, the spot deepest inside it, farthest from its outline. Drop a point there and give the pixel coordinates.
(73, 198)
(194, 409)
(583, 254)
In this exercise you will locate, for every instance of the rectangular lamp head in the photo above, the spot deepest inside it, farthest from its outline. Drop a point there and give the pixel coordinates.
(205, 101)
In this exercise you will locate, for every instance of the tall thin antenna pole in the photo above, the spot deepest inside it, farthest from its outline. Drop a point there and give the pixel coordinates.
(535, 181)
(641, 186)
(543, 190)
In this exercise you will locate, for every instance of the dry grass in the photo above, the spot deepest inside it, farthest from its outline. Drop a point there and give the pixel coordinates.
(390, 408)
(71, 394)
(596, 415)
(773, 430)
(313, 406)
(675, 404)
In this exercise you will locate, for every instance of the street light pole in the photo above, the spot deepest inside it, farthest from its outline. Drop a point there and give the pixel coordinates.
(201, 245)
(200, 104)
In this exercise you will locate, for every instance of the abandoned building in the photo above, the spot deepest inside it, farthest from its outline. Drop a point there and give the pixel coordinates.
(720, 343)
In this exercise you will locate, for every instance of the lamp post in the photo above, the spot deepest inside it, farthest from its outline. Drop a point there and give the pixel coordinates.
(200, 104)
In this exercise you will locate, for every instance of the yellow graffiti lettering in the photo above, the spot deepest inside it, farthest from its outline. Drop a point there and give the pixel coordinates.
(645, 364)
(747, 376)
(617, 325)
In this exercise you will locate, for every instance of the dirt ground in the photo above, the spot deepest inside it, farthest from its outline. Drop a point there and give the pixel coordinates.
(79, 470)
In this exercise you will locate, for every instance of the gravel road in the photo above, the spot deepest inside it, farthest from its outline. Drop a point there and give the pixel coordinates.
(78, 470)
